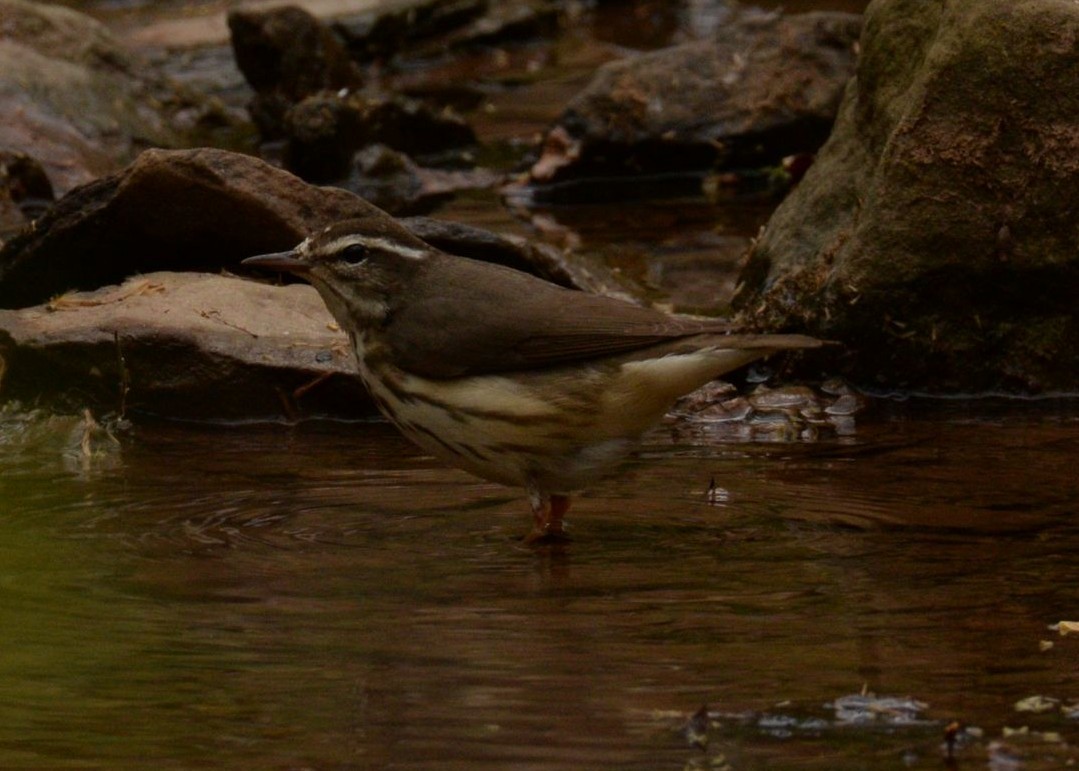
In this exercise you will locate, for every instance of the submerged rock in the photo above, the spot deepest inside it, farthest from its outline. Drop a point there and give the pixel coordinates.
(936, 233)
(764, 88)
(183, 345)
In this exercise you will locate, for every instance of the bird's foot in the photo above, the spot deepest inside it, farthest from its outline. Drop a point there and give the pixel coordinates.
(547, 513)
(547, 537)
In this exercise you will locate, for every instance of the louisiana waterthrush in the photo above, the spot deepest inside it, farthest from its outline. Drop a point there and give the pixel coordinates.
(503, 374)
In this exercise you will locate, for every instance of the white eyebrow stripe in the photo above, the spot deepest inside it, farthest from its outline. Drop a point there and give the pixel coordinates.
(376, 242)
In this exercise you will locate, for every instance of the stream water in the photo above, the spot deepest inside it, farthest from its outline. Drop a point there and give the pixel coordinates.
(323, 596)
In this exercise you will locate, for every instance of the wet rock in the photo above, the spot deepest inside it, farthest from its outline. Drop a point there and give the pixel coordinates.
(11, 217)
(170, 210)
(77, 101)
(539, 259)
(935, 235)
(183, 345)
(286, 54)
(847, 404)
(413, 127)
(25, 190)
(325, 131)
(766, 87)
(867, 708)
(382, 33)
(308, 93)
(789, 399)
(506, 22)
(431, 28)
(206, 210)
(394, 182)
(783, 413)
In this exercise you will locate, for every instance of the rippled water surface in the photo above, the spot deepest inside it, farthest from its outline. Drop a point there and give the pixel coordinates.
(323, 596)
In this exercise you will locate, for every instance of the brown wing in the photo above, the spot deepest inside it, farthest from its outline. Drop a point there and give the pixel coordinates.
(464, 317)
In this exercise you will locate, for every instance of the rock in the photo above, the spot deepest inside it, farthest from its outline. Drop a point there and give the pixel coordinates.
(308, 93)
(77, 101)
(384, 32)
(430, 28)
(506, 22)
(170, 210)
(936, 233)
(25, 191)
(286, 54)
(788, 412)
(324, 131)
(539, 259)
(207, 210)
(25, 177)
(11, 217)
(395, 183)
(183, 345)
(766, 86)
(413, 127)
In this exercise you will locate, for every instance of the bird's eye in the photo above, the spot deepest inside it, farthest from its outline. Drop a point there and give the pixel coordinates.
(354, 254)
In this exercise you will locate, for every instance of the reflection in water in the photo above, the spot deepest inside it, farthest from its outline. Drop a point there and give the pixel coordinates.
(323, 596)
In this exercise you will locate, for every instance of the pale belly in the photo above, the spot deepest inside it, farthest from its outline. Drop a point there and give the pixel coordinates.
(505, 431)
(558, 430)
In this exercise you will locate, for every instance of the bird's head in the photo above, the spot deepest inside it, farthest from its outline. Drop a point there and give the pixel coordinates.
(357, 266)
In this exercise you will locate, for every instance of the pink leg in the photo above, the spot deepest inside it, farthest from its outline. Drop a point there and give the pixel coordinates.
(547, 513)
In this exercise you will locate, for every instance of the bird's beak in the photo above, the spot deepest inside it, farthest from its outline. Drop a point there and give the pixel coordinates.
(284, 261)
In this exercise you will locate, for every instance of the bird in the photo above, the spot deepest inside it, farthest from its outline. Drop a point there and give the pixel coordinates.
(504, 374)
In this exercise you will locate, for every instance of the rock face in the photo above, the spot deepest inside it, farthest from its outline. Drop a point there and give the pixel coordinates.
(764, 88)
(76, 100)
(937, 235)
(184, 345)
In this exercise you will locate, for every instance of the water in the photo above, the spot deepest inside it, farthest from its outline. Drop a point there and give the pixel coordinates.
(323, 596)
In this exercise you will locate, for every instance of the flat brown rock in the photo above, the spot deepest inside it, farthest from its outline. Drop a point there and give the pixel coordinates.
(183, 345)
